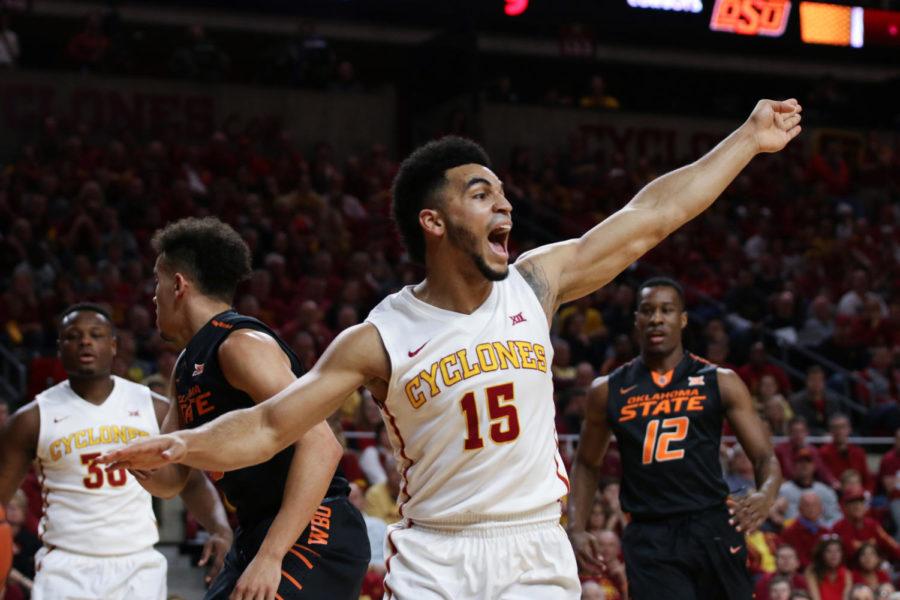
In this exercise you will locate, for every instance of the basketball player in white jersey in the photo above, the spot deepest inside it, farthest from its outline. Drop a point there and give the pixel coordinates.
(461, 366)
(98, 526)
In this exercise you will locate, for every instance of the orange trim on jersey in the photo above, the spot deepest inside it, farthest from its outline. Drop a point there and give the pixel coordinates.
(287, 576)
(308, 549)
(560, 475)
(301, 557)
(662, 379)
(277, 597)
(404, 486)
(699, 358)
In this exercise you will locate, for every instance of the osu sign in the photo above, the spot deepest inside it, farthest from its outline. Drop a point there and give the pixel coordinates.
(751, 17)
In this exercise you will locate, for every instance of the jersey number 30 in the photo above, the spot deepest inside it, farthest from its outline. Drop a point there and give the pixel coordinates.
(656, 444)
(504, 417)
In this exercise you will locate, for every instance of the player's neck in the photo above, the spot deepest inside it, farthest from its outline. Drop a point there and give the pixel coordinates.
(92, 389)
(453, 289)
(663, 363)
(198, 314)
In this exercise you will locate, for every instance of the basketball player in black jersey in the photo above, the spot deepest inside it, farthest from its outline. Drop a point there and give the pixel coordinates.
(685, 539)
(299, 536)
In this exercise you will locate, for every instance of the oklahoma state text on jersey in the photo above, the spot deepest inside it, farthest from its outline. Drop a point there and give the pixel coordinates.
(668, 427)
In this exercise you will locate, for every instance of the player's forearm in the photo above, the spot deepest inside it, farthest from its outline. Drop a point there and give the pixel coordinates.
(585, 481)
(679, 196)
(316, 457)
(165, 482)
(767, 473)
(239, 439)
(202, 500)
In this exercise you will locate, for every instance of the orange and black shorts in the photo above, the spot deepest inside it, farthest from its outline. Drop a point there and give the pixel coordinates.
(328, 561)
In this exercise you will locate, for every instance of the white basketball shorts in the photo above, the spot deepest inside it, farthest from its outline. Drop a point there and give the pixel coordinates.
(61, 575)
(488, 561)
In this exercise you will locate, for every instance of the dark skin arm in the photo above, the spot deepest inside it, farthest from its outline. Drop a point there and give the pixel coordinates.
(749, 512)
(594, 441)
(18, 448)
(253, 361)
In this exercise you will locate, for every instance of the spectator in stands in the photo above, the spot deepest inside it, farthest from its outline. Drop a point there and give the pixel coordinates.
(777, 588)
(878, 386)
(26, 543)
(740, 476)
(888, 479)
(787, 451)
(775, 413)
(374, 458)
(87, 49)
(815, 402)
(857, 529)
(786, 568)
(861, 591)
(819, 324)
(376, 528)
(597, 97)
(784, 319)
(563, 371)
(853, 302)
(199, 58)
(840, 455)
(744, 299)
(621, 352)
(806, 530)
(795, 489)
(826, 576)
(381, 499)
(9, 43)
(868, 571)
(760, 365)
(345, 78)
(613, 580)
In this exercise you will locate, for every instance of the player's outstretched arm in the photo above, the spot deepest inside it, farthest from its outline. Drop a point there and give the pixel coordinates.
(568, 270)
(253, 435)
(253, 362)
(592, 447)
(749, 512)
(170, 480)
(18, 447)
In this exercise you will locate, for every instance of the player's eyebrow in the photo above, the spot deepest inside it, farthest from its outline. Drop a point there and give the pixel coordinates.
(477, 180)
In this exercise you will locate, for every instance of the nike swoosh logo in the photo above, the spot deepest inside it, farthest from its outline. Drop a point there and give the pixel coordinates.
(58, 419)
(626, 390)
(416, 351)
(734, 549)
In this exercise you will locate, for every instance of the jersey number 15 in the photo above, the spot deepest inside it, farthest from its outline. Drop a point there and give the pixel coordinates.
(503, 416)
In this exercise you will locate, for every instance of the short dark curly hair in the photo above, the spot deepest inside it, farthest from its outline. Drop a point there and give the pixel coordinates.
(85, 307)
(209, 251)
(421, 175)
(663, 282)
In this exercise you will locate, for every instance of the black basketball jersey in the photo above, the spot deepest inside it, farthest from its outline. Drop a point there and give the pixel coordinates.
(203, 394)
(668, 427)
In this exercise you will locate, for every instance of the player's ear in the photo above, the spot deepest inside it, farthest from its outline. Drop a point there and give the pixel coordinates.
(180, 283)
(684, 319)
(432, 221)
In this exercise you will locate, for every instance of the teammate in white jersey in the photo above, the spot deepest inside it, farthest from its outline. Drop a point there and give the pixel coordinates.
(98, 526)
(460, 366)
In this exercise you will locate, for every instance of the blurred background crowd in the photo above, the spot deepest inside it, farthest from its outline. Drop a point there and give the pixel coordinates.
(791, 277)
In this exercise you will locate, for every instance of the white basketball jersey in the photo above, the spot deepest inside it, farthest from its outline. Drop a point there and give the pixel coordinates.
(469, 406)
(88, 510)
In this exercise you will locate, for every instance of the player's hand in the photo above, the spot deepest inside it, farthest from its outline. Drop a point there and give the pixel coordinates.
(748, 512)
(148, 454)
(587, 552)
(215, 548)
(774, 123)
(260, 579)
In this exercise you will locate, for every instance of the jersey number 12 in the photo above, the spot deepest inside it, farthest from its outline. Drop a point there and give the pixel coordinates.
(656, 444)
